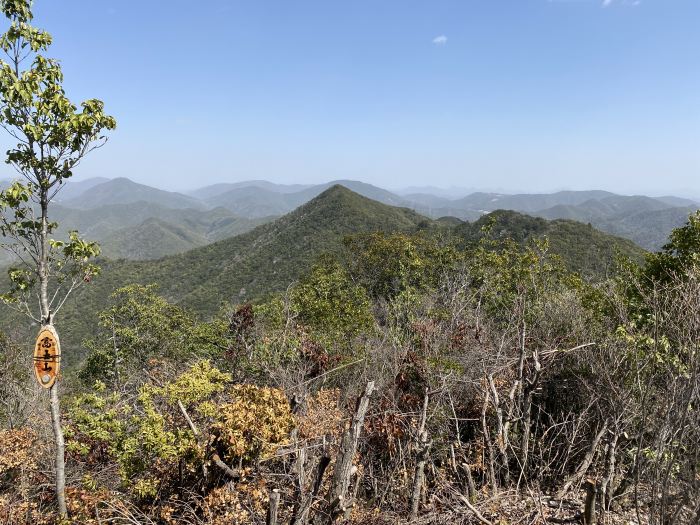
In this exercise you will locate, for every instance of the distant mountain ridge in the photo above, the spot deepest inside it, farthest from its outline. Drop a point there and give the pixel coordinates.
(208, 192)
(150, 228)
(654, 218)
(126, 191)
(644, 220)
(136, 221)
(256, 200)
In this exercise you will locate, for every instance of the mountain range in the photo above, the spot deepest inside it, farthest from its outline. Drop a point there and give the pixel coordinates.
(139, 222)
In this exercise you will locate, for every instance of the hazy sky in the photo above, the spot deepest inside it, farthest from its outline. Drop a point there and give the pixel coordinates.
(514, 94)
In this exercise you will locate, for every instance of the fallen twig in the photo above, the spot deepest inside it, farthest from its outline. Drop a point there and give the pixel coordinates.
(476, 513)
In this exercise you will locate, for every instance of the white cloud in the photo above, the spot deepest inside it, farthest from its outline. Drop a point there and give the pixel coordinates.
(633, 3)
(440, 40)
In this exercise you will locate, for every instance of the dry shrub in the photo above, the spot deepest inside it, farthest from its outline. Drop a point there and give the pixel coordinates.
(17, 451)
(223, 506)
(24, 512)
(22, 494)
(386, 429)
(322, 417)
(91, 506)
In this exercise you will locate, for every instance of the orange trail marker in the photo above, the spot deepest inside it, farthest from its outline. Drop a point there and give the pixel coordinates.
(47, 357)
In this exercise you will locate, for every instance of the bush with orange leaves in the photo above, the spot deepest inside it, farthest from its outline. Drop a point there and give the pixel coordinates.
(223, 506)
(24, 512)
(321, 415)
(24, 493)
(17, 453)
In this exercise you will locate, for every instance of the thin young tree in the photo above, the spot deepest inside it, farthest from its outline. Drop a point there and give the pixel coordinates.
(52, 136)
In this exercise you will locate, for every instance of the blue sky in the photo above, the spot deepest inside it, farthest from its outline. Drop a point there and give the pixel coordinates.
(526, 95)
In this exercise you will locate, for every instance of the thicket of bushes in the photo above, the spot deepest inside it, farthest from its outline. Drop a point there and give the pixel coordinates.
(482, 371)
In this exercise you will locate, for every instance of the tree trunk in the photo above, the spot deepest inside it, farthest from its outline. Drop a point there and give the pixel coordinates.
(528, 393)
(608, 483)
(589, 515)
(471, 486)
(60, 452)
(44, 259)
(489, 445)
(422, 446)
(502, 438)
(46, 319)
(272, 509)
(419, 475)
(300, 514)
(338, 500)
(525, 441)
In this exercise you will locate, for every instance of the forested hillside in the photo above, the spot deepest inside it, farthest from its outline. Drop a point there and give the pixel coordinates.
(142, 225)
(248, 266)
(145, 230)
(272, 256)
(583, 248)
